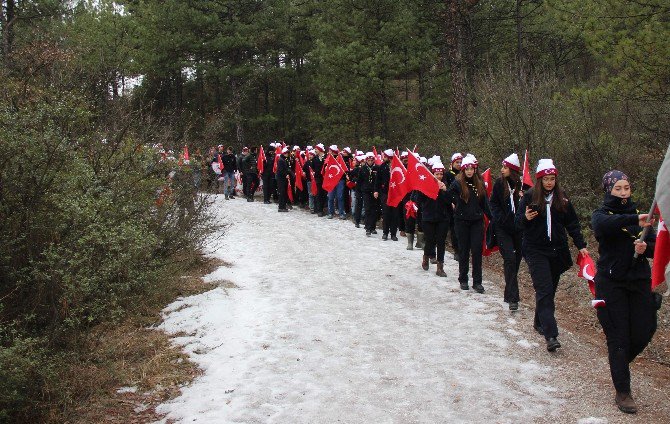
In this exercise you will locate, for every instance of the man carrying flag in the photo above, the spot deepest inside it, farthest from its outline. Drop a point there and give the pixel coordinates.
(283, 179)
(390, 214)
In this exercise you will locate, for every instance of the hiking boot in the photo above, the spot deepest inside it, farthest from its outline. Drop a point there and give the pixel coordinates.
(433, 261)
(625, 402)
(410, 241)
(227, 197)
(330, 216)
(464, 286)
(478, 288)
(553, 344)
(283, 210)
(424, 263)
(374, 231)
(357, 225)
(231, 197)
(367, 233)
(420, 240)
(321, 215)
(394, 238)
(514, 306)
(440, 270)
(385, 237)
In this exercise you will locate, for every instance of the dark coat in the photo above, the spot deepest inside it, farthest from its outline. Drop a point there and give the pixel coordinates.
(317, 166)
(615, 225)
(474, 209)
(229, 162)
(501, 207)
(434, 210)
(283, 169)
(383, 178)
(366, 178)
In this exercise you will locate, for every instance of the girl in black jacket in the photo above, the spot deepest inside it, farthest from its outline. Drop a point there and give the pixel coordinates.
(435, 215)
(469, 195)
(623, 282)
(545, 214)
(504, 204)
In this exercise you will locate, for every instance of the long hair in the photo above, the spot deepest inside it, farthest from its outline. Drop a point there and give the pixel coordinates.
(476, 182)
(558, 202)
(515, 178)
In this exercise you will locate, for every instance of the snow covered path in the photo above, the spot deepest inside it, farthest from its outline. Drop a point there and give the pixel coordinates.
(327, 325)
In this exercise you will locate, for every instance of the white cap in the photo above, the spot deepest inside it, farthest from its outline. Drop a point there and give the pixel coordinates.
(423, 160)
(512, 162)
(388, 152)
(469, 161)
(369, 155)
(438, 166)
(434, 159)
(333, 148)
(360, 152)
(545, 167)
(403, 154)
(320, 147)
(347, 149)
(456, 156)
(296, 147)
(309, 148)
(284, 150)
(360, 158)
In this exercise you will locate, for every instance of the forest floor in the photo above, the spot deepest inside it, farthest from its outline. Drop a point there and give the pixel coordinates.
(309, 321)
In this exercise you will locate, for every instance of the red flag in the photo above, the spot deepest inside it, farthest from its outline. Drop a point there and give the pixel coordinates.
(218, 156)
(289, 190)
(420, 178)
(661, 255)
(278, 150)
(488, 186)
(333, 172)
(587, 271)
(299, 175)
(398, 184)
(410, 209)
(378, 158)
(314, 188)
(260, 162)
(186, 156)
(526, 178)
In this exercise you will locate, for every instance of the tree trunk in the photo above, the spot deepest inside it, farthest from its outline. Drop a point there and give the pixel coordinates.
(452, 35)
(519, 39)
(7, 20)
(236, 90)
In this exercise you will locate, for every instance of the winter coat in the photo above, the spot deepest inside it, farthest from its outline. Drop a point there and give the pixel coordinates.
(229, 162)
(366, 178)
(501, 206)
(383, 178)
(616, 226)
(474, 209)
(283, 169)
(317, 166)
(436, 210)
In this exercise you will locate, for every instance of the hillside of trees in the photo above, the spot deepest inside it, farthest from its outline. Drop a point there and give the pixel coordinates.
(89, 86)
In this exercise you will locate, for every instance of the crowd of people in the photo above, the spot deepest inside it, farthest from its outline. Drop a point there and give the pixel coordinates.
(531, 223)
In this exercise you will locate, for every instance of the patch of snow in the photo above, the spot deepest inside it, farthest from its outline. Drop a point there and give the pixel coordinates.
(592, 420)
(122, 390)
(329, 325)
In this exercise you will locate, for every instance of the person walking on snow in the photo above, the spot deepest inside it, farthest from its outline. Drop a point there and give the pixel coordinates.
(436, 215)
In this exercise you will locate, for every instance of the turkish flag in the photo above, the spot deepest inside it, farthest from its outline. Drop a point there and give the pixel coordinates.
(420, 178)
(299, 175)
(378, 158)
(488, 186)
(314, 187)
(218, 156)
(661, 255)
(587, 271)
(278, 150)
(398, 184)
(332, 174)
(526, 179)
(260, 162)
(289, 190)
(410, 209)
(186, 156)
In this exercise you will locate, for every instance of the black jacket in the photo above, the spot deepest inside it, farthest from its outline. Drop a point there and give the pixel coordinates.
(501, 207)
(615, 225)
(248, 164)
(562, 223)
(283, 169)
(434, 210)
(229, 162)
(474, 209)
(317, 166)
(366, 178)
(382, 179)
(269, 162)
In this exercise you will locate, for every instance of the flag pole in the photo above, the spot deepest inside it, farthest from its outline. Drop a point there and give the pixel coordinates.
(646, 230)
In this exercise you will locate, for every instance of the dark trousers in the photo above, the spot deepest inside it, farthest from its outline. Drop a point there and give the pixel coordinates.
(510, 250)
(454, 237)
(389, 215)
(282, 189)
(371, 206)
(249, 184)
(629, 322)
(358, 210)
(268, 180)
(321, 199)
(470, 236)
(545, 271)
(436, 237)
(410, 224)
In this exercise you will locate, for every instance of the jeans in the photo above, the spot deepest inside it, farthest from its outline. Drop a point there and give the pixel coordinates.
(311, 196)
(338, 192)
(228, 183)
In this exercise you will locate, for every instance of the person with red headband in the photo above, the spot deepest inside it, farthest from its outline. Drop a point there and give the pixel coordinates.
(547, 216)
(504, 204)
(435, 215)
(469, 195)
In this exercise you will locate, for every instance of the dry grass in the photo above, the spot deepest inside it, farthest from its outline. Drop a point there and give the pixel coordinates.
(131, 354)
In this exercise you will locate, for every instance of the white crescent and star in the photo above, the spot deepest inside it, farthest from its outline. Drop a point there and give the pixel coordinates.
(399, 170)
(586, 274)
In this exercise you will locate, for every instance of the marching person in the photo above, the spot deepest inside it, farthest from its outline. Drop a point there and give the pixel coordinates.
(267, 175)
(546, 216)
(454, 170)
(228, 173)
(366, 179)
(504, 204)
(469, 195)
(357, 196)
(317, 167)
(623, 282)
(390, 224)
(337, 193)
(435, 215)
(306, 169)
(283, 178)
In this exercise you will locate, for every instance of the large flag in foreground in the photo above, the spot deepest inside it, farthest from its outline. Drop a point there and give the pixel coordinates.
(398, 184)
(420, 178)
(661, 253)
